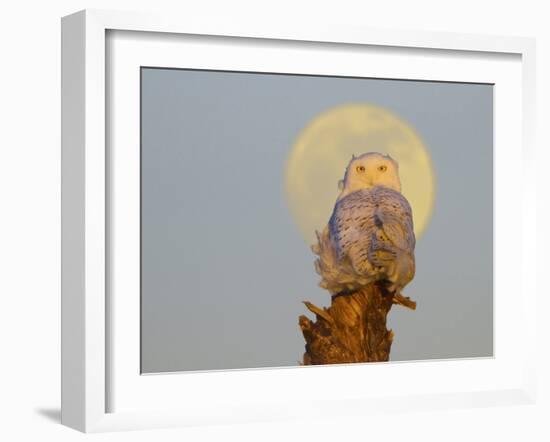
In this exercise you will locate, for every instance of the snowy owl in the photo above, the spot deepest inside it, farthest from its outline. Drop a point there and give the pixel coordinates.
(369, 237)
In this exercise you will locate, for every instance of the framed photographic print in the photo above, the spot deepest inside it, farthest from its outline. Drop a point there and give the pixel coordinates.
(251, 213)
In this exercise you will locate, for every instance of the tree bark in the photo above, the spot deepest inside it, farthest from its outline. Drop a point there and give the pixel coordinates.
(352, 329)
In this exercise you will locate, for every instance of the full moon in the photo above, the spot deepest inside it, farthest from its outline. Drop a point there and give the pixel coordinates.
(323, 149)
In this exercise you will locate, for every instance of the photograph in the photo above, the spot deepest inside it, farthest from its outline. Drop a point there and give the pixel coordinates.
(246, 221)
(291, 220)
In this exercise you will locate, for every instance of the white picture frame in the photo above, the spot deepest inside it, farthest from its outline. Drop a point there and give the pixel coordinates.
(91, 356)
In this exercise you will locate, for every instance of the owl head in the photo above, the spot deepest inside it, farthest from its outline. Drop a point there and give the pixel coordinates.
(369, 170)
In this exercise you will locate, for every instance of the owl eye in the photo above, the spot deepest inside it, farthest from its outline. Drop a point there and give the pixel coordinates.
(360, 169)
(382, 168)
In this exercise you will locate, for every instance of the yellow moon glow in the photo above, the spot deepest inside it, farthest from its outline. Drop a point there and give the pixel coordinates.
(324, 148)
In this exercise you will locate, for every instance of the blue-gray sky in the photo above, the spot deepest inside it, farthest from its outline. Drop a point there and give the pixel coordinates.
(224, 267)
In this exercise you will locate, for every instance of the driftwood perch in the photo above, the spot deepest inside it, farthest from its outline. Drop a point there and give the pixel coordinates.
(352, 329)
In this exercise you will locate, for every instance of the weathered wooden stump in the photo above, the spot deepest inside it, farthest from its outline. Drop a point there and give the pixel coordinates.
(352, 329)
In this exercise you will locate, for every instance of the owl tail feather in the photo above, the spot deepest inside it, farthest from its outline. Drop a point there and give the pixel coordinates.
(336, 275)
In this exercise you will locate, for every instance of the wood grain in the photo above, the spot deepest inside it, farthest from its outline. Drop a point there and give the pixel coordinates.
(352, 329)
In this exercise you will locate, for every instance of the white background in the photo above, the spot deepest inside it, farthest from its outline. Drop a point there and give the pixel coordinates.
(30, 219)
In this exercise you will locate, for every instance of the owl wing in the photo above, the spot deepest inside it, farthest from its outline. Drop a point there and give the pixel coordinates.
(393, 215)
(351, 226)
